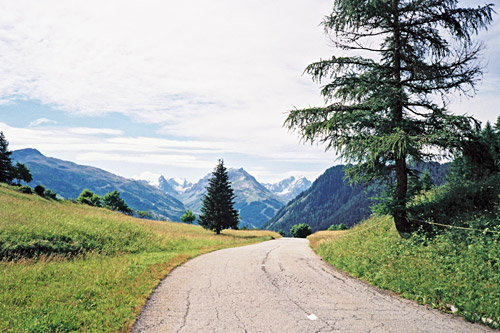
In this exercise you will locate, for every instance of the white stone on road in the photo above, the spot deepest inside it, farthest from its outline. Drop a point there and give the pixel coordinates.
(280, 286)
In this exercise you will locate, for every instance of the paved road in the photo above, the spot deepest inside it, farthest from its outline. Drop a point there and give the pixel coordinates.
(280, 286)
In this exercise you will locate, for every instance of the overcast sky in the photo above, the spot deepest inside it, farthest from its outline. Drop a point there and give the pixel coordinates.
(143, 88)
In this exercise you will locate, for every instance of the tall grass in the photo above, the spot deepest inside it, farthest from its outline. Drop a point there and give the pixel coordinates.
(69, 267)
(459, 277)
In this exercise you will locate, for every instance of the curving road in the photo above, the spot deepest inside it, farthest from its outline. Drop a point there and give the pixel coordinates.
(280, 286)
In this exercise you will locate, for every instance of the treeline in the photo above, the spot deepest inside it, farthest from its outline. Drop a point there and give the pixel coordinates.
(470, 198)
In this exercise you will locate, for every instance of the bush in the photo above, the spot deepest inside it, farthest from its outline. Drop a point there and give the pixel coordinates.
(25, 189)
(281, 232)
(49, 194)
(89, 198)
(188, 217)
(301, 230)
(144, 214)
(459, 204)
(40, 190)
(340, 226)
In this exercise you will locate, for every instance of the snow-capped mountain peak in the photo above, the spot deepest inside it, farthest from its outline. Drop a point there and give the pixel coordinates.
(290, 187)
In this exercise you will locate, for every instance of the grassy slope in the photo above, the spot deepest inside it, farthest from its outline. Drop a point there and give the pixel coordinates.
(73, 267)
(437, 272)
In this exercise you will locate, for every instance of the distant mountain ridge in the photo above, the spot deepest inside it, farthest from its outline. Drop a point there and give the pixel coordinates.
(255, 203)
(289, 188)
(69, 179)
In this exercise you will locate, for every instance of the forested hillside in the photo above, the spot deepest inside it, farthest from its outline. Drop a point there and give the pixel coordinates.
(332, 200)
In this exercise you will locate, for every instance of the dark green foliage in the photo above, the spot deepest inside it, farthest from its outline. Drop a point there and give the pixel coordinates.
(40, 190)
(144, 215)
(217, 211)
(21, 173)
(89, 198)
(281, 232)
(50, 194)
(465, 204)
(113, 201)
(25, 189)
(340, 226)
(471, 197)
(382, 114)
(188, 217)
(479, 157)
(300, 230)
(6, 168)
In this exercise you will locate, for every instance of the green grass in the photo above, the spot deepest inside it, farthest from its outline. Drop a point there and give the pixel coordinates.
(440, 272)
(68, 267)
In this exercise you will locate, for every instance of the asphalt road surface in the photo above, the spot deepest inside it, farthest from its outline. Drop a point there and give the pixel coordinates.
(280, 286)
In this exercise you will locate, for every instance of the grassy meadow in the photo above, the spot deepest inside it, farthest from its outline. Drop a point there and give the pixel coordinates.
(458, 277)
(70, 267)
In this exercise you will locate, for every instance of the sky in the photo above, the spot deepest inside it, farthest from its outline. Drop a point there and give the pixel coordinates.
(149, 88)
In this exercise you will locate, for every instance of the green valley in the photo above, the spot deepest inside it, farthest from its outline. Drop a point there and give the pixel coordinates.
(69, 267)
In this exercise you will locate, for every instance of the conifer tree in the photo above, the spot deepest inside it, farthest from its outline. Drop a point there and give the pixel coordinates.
(21, 173)
(217, 211)
(382, 114)
(6, 168)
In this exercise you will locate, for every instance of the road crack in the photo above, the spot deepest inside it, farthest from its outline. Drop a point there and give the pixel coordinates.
(188, 306)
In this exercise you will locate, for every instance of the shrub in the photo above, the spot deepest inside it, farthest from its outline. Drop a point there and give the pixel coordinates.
(340, 226)
(281, 232)
(459, 204)
(25, 189)
(301, 230)
(49, 194)
(89, 198)
(188, 217)
(144, 214)
(40, 190)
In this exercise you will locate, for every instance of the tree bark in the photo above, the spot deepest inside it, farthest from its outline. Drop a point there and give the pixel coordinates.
(400, 217)
(403, 226)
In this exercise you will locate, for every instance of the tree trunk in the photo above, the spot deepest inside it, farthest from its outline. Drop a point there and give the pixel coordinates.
(400, 217)
(403, 226)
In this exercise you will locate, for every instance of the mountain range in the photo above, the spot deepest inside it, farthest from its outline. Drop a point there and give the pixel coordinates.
(289, 188)
(69, 179)
(256, 203)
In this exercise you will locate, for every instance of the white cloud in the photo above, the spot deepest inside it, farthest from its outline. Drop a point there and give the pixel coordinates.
(150, 177)
(197, 67)
(41, 121)
(94, 131)
(216, 77)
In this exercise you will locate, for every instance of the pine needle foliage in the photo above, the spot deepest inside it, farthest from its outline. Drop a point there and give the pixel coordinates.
(386, 105)
(218, 211)
(6, 168)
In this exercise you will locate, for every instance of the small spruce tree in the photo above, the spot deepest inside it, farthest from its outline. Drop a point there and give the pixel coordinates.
(113, 201)
(22, 173)
(217, 211)
(6, 168)
(188, 217)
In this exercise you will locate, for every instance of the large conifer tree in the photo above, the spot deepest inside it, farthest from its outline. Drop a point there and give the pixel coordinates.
(6, 168)
(388, 110)
(217, 211)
